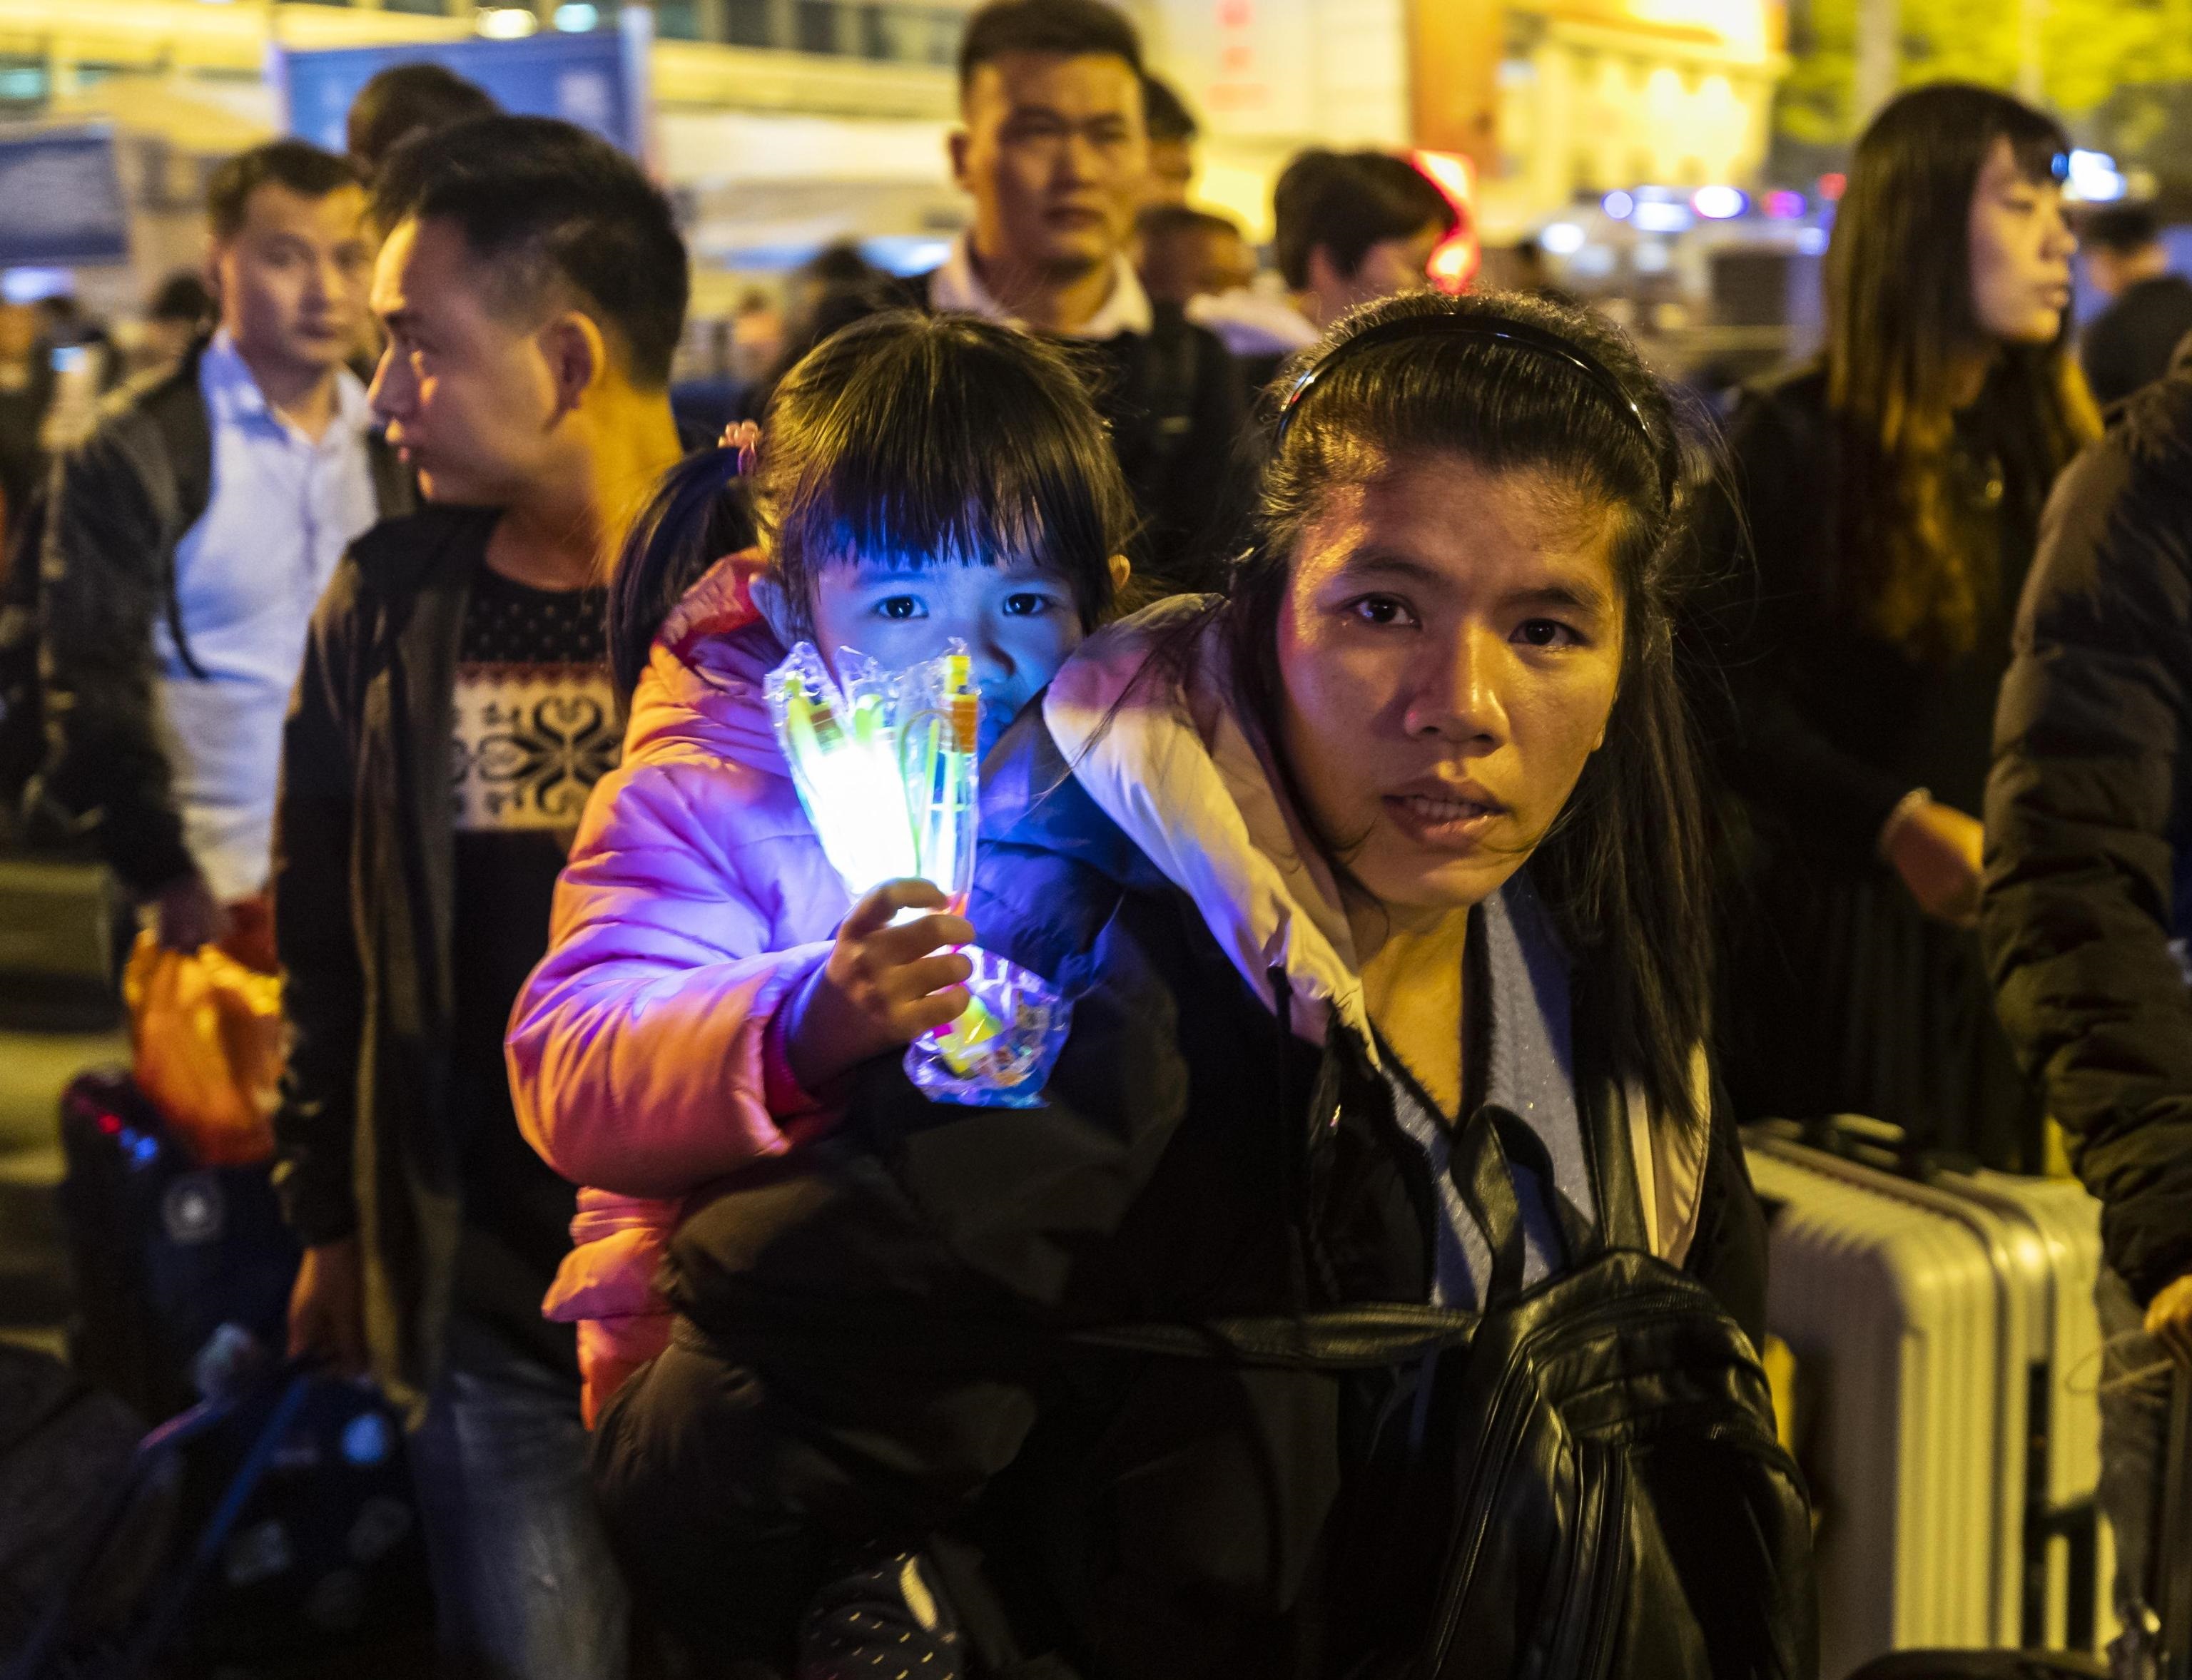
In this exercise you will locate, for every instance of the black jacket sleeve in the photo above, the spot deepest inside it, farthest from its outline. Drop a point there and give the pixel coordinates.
(2084, 808)
(322, 988)
(850, 1370)
(103, 591)
(1772, 753)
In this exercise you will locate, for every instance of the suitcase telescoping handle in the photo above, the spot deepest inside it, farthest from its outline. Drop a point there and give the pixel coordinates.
(2170, 1592)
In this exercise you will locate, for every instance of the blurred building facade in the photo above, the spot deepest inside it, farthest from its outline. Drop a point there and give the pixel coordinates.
(784, 124)
(1549, 99)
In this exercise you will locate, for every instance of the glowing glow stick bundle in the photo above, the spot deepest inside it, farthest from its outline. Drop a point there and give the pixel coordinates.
(887, 767)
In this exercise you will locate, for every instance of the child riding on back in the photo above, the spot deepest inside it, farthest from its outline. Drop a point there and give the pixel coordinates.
(709, 981)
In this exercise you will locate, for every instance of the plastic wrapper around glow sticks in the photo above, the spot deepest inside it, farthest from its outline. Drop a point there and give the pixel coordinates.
(887, 766)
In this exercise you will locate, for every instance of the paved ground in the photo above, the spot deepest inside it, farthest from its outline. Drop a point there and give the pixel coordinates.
(54, 920)
(34, 1067)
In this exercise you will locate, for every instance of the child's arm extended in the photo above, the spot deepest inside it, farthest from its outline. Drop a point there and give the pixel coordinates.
(637, 1049)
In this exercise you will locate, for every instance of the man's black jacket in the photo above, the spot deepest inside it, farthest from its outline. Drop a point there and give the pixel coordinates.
(1173, 400)
(364, 877)
(120, 503)
(2087, 818)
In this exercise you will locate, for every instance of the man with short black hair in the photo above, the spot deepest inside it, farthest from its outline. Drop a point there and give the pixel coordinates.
(1053, 148)
(1354, 226)
(2150, 309)
(406, 99)
(187, 539)
(1173, 133)
(455, 711)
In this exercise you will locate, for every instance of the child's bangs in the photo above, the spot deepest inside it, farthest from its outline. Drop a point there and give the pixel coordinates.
(913, 528)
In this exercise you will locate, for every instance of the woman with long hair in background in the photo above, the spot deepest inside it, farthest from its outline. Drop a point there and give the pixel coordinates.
(1891, 491)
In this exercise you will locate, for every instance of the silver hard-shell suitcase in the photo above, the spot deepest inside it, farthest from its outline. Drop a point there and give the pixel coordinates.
(1942, 1326)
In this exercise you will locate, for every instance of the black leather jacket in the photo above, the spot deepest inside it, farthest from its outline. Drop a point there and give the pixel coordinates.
(121, 501)
(364, 877)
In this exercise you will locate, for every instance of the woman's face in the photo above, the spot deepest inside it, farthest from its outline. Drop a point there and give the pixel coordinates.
(1449, 648)
(2020, 252)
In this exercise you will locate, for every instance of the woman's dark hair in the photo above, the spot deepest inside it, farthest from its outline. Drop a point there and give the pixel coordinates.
(698, 514)
(1623, 869)
(1348, 202)
(1900, 326)
(914, 438)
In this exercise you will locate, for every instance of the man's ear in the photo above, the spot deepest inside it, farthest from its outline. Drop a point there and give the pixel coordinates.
(774, 607)
(577, 354)
(954, 152)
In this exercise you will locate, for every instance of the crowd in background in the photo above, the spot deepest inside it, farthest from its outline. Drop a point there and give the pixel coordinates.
(334, 668)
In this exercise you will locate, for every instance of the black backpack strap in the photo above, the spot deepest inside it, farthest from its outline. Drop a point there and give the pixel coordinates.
(1164, 386)
(1483, 1174)
(1365, 1337)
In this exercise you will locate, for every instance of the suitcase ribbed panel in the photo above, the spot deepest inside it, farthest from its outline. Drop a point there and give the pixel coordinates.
(1930, 1316)
(1891, 1308)
(2065, 1222)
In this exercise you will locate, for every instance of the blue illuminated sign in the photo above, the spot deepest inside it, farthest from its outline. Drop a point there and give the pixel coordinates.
(597, 81)
(63, 199)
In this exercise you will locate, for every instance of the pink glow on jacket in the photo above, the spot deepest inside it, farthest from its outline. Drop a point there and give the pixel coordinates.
(697, 897)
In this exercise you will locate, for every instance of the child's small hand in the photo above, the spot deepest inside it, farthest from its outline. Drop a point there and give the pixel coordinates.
(883, 986)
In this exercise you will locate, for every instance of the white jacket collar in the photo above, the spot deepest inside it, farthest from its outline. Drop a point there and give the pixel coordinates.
(1172, 764)
(1176, 769)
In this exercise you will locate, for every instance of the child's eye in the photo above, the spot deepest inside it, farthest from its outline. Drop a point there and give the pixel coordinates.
(1382, 610)
(900, 606)
(1028, 605)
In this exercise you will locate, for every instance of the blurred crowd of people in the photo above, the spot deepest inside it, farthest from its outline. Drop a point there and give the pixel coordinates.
(388, 580)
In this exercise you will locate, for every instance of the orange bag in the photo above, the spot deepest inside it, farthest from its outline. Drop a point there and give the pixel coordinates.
(207, 1035)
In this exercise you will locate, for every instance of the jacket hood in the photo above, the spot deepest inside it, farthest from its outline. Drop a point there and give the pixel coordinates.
(1143, 714)
(705, 681)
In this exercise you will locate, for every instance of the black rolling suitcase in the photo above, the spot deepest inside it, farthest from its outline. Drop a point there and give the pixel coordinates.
(183, 1275)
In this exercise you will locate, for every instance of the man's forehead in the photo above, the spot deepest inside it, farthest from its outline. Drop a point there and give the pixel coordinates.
(273, 205)
(1081, 84)
(409, 255)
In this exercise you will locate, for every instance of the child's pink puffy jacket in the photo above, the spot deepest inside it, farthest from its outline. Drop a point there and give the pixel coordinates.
(696, 898)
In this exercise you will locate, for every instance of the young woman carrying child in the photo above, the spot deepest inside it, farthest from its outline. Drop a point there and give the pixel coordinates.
(1376, 890)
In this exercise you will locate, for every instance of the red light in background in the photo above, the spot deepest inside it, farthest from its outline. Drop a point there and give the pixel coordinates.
(1833, 186)
(1454, 263)
(1784, 205)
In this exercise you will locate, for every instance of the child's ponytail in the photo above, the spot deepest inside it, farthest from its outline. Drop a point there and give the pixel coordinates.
(698, 514)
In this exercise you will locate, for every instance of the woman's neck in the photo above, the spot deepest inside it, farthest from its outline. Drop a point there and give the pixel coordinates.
(1411, 967)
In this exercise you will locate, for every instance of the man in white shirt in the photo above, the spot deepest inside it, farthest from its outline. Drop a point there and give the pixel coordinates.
(189, 539)
(1053, 149)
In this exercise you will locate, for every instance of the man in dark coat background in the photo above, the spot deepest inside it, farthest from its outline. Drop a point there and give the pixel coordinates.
(2084, 911)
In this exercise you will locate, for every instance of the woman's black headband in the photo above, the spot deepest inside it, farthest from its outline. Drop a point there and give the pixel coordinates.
(1499, 329)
